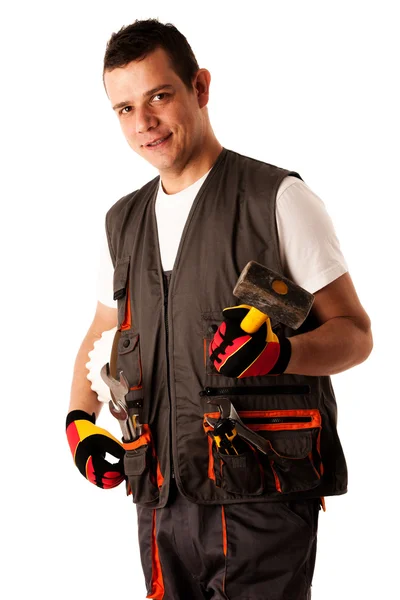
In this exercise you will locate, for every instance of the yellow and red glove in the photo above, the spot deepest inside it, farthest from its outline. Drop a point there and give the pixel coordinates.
(238, 354)
(89, 445)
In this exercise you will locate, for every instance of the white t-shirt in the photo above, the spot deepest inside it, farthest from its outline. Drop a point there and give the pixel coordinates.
(309, 249)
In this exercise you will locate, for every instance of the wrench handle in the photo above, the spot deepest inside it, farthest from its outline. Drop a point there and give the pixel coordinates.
(120, 413)
(247, 434)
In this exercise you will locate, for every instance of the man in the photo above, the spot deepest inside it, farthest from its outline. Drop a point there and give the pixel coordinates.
(217, 517)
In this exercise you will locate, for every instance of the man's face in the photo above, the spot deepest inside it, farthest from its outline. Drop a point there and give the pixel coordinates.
(159, 116)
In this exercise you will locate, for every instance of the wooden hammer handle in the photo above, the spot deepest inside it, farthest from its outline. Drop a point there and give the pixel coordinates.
(253, 320)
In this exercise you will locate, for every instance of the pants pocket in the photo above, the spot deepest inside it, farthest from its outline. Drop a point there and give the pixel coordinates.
(142, 469)
(305, 512)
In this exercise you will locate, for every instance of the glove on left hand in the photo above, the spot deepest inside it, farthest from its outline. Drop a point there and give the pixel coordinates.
(89, 445)
(236, 353)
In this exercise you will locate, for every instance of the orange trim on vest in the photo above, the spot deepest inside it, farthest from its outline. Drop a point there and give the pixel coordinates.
(277, 482)
(128, 316)
(313, 413)
(157, 583)
(310, 457)
(160, 478)
(211, 473)
(139, 385)
(145, 438)
(315, 421)
(213, 415)
(207, 428)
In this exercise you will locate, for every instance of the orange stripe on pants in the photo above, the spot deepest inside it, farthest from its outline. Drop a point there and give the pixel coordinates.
(224, 543)
(157, 582)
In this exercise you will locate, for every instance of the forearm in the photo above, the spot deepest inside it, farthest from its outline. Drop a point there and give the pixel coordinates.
(335, 346)
(82, 396)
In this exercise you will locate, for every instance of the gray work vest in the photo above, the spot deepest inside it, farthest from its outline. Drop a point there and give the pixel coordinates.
(166, 324)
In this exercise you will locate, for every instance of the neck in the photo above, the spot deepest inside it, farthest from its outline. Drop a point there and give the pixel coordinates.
(198, 164)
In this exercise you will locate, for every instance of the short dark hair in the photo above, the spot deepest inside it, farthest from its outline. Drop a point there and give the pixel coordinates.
(136, 41)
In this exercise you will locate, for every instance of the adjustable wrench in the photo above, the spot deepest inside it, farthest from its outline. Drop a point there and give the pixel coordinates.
(228, 411)
(130, 425)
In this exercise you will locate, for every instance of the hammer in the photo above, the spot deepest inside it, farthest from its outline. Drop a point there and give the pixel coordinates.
(271, 295)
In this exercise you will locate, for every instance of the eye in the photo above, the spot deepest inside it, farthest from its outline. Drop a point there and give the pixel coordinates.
(160, 96)
(125, 110)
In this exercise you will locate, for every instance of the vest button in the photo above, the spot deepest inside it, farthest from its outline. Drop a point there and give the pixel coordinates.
(126, 343)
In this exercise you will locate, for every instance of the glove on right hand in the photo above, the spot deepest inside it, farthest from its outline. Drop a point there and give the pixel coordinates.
(89, 444)
(238, 354)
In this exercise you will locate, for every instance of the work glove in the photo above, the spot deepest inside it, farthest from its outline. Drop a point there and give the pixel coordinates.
(236, 353)
(89, 445)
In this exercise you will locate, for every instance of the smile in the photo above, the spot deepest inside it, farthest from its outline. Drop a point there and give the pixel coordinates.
(158, 143)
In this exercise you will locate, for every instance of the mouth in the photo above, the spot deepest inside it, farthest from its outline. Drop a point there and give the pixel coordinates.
(160, 142)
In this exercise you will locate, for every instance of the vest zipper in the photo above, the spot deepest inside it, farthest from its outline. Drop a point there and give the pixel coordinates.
(274, 420)
(256, 390)
(166, 279)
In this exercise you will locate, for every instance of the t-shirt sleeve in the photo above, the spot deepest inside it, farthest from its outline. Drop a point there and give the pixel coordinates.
(309, 248)
(105, 275)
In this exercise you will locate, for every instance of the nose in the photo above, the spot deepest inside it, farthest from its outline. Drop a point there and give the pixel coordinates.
(145, 120)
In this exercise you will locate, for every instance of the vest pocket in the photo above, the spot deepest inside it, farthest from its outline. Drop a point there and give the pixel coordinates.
(292, 463)
(239, 474)
(294, 440)
(128, 358)
(142, 468)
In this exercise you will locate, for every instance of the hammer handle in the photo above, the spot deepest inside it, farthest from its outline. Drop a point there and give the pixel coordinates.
(253, 320)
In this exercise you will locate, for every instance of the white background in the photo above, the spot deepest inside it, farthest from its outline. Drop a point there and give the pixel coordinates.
(308, 86)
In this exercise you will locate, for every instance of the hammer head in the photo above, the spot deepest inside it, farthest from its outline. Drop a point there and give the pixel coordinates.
(274, 295)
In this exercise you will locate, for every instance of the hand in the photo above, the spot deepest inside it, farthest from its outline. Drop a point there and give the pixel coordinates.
(236, 353)
(89, 445)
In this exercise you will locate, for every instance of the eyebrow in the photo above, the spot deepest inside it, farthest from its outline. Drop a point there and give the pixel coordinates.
(148, 93)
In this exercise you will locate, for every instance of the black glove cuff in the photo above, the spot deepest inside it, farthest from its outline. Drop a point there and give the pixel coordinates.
(284, 356)
(74, 415)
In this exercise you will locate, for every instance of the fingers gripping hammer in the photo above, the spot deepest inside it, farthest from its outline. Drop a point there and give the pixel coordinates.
(271, 296)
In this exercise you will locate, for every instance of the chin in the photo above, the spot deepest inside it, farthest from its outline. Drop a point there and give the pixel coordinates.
(163, 164)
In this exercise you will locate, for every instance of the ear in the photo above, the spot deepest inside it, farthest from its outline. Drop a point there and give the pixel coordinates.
(201, 85)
